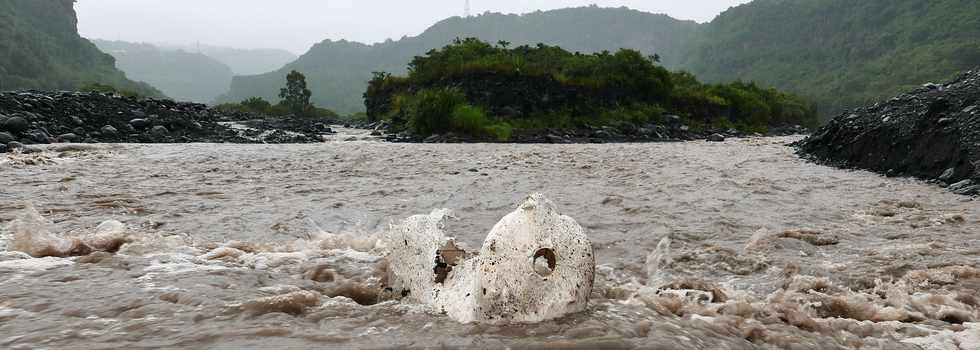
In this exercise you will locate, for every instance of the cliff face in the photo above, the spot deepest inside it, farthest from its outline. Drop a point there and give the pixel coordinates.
(40, 49)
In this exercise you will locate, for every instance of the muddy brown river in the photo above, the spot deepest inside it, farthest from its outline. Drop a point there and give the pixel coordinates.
(279, 247)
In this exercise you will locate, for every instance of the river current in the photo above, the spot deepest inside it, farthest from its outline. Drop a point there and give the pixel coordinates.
(279, 246)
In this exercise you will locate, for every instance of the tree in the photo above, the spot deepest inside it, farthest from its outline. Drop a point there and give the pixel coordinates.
(295, 96)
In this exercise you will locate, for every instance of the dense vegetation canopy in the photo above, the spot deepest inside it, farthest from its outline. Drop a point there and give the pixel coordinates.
(840, 53)
(480, 89)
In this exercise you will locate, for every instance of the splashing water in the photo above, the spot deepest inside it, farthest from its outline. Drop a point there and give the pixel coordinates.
(738, 245)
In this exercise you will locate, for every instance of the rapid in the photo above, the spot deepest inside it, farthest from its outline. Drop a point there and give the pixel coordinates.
(733, 245)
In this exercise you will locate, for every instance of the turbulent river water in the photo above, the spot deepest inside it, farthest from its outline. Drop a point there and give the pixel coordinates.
(278, 246)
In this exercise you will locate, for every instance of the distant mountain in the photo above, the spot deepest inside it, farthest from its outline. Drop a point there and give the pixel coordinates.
(338, 71)
(241, 61)
(40, 49)
(182, 75)
(840, 53)
(836, 53)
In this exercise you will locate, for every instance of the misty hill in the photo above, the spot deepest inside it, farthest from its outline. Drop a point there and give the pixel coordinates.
(182, 75)
(241, 61)
(40, 49)
(837, 53)
(840, 53)
(338, 71)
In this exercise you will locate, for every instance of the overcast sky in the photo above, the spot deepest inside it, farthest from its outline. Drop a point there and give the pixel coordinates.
(295, 25)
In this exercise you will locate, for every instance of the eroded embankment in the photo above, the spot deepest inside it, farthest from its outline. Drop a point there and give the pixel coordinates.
(931, 133)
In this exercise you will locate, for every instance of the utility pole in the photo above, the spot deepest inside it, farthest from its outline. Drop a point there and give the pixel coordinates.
(466, 9)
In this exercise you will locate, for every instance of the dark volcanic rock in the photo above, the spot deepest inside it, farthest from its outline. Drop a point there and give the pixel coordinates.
(932, 133)
(5, 137)
(16, 124)
(159, 131)
(139, 123)
(716, 138)
(108, 131)
(69, 137)
(34, 117)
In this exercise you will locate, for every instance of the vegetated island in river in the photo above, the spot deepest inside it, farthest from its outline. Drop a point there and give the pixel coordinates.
(931, 133)
(473, 91)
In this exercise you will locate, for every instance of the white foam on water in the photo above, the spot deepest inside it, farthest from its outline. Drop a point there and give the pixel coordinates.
(32, 236)
(968, 339)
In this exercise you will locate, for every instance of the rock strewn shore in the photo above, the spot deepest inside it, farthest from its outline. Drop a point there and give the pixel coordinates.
(79, 117)
(931, 133)
(673, 130)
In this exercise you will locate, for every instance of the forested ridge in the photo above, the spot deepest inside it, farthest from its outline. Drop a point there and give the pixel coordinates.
(338, 71)
(840, 53)
(180, 74)
(837, 53)
(40, 49)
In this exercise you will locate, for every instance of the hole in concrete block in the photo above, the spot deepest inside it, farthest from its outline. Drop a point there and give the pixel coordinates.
(544, 262)
(447, 257)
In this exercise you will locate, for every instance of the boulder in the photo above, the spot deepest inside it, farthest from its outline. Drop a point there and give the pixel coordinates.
(14, 145)
(948, 174)
(716, 138)
(6, 137)
(960, 185)
(16, 125)
(38, 136)
(109, 131)
(159, 131)
(69, 137)
(3, 148)
(551, 138)
(139, 123)
(968, 190)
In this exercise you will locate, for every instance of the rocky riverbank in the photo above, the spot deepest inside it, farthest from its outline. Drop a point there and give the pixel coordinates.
(932, 133)
(28, 118)
(673, 130)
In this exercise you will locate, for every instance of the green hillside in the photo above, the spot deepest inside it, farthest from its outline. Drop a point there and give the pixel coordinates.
(182, 75)
(338, 71)
(40, 49)
(836, 53)
(840, 53)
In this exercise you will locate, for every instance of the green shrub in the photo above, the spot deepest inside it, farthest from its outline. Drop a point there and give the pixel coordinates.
(429, 112)
(501, 131)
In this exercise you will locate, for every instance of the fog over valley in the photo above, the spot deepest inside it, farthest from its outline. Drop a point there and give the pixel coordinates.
(294, 25)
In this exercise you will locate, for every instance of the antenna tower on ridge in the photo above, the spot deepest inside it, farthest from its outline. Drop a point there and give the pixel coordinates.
(466, 9)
